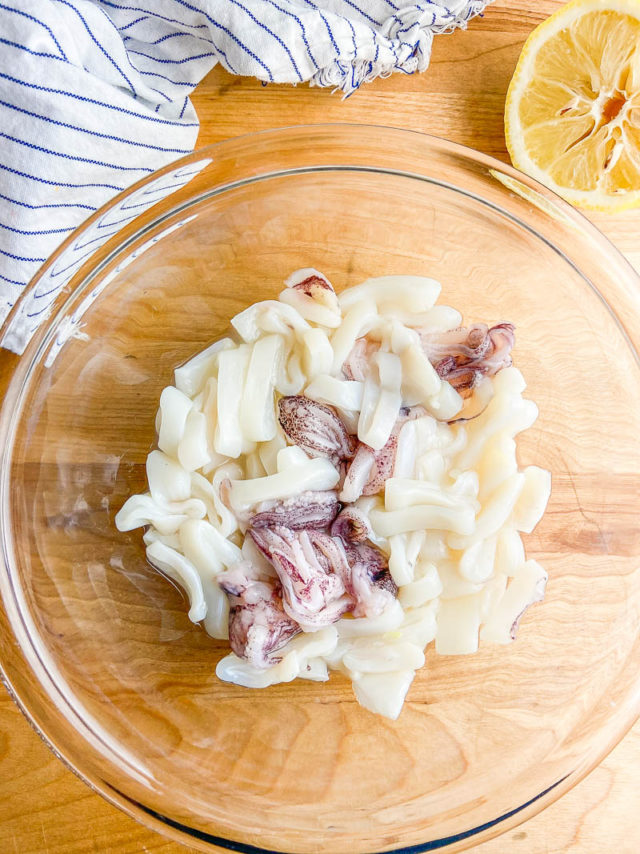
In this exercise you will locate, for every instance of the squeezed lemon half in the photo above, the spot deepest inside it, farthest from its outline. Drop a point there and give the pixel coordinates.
(572, 117)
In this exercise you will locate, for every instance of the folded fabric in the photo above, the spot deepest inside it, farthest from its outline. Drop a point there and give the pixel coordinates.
(94, 95)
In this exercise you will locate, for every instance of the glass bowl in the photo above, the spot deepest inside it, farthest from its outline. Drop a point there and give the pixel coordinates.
(96, 646)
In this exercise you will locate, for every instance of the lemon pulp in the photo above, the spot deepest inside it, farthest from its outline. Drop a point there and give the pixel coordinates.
(573, 108)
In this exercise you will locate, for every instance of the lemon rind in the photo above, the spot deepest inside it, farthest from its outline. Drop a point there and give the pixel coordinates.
(560, 20)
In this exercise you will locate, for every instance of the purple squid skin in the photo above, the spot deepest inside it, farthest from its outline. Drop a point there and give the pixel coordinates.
(356, 364)
(370, 582)
(324, 577)
(315, 428)
(313, 592)
(379, 464)
(313, 285)
(462, 356)
(307, 510)
(351, 525)
(258, 624)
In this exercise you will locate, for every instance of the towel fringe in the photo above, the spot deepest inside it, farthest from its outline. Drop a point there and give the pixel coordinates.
(347, 77)
(411, 52)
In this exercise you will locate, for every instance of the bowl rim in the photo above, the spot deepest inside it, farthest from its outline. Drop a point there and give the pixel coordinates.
(103, 253)
(527, 183)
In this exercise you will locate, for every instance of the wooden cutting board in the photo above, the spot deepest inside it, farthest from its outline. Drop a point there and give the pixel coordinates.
(44, 809)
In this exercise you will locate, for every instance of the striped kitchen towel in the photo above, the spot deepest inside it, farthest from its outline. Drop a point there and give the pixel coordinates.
(94, 95)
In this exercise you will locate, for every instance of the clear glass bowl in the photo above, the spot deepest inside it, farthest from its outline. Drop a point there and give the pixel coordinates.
(96, 646)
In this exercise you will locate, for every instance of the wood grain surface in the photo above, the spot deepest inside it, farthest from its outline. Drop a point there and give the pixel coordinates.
(43, 807)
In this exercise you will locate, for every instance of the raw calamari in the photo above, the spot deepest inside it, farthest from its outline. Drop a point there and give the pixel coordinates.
(358, 473)
(313, 594)
(315, 428)
(462, 356)
(307, 510)
(313, 284)
(258, 624)
(369, 469)
(323, 576)
(356, 365)
(369, 582)
(325, 564)
(351, 525)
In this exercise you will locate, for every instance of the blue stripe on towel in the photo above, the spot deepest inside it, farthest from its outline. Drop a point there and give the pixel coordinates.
(94, 94)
